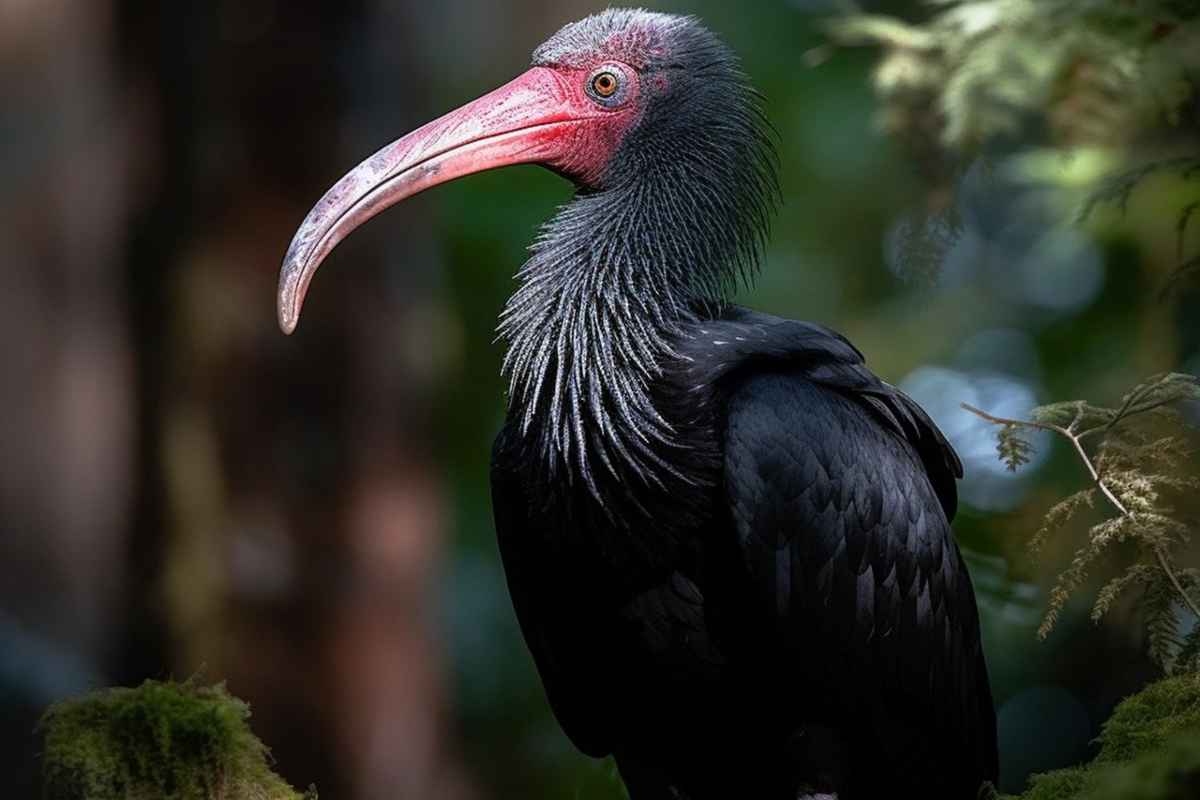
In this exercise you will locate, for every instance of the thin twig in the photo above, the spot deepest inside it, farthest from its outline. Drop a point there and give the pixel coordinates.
(1130, 399)
(1074, 438)
(1166, 567)
(1025, 423)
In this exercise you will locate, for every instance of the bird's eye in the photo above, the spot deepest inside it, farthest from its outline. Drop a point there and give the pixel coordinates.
(605, 84)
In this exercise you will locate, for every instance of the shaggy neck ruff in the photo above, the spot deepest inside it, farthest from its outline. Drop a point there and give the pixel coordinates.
(676, 223)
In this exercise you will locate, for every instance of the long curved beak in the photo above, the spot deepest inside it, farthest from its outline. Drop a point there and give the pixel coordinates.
(527, 120)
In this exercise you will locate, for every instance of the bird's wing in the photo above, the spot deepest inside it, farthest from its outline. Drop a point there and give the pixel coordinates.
(840, 490)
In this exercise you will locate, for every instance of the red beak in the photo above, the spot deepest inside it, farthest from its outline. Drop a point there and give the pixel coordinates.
(522, 122)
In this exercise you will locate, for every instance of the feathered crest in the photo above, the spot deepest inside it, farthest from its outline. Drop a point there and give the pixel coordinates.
(635, 36)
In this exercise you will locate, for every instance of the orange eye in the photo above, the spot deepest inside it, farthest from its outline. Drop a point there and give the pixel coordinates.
(604, 84)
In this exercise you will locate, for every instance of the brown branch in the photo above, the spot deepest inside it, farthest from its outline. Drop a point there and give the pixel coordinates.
(1024, 423)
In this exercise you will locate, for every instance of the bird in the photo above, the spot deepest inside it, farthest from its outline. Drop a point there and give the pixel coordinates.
(727, 542)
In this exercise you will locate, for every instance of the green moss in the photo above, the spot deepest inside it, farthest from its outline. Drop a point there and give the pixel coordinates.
(1058, 785)
(1171, 772)
(1149, 750)
(1145, 721)
(178, 741)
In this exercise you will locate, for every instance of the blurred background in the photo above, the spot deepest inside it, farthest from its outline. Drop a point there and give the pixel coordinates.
(184, 490)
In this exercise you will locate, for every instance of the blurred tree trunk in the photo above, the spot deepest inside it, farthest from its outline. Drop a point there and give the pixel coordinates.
(66, 431)
(301, 506)
(66, 427)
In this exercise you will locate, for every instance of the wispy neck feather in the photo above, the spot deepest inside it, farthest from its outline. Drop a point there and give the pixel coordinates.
(613, 282)
(588, 330)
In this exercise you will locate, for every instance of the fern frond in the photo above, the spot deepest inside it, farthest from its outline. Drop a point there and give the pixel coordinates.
(1162, 629)
(1059, 515)
(1075, 415)
(1073, 577)
(1133, 488)
(1012, 448)
(1134, 574)
(1160, 390)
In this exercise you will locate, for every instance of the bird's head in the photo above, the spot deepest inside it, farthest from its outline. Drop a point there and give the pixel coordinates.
(622, 99)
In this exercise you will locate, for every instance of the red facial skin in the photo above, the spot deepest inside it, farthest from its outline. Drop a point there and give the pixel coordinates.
(545, 116)
(584, 150)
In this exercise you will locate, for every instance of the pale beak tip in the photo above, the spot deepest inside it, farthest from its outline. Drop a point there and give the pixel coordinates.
(287, 323)
(288, 301)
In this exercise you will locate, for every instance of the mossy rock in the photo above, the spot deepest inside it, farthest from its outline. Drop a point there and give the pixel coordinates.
(1149, 750)
(1060, 784)
(168, 740)
(1169, 773)
(1143, 722)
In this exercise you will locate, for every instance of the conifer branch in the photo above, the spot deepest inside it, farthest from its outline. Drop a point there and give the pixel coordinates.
(1127, 467)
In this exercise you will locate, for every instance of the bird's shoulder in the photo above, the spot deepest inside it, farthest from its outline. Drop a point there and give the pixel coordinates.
(719, 357)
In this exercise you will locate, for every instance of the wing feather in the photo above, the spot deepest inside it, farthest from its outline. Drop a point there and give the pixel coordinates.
(833, 490)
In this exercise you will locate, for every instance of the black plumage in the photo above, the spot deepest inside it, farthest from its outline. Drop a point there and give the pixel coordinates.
(802, 623)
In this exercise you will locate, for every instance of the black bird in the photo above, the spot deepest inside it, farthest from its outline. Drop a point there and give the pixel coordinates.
(727, 541)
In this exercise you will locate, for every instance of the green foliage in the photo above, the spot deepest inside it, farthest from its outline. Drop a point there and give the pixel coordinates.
(160, 741)
(1014, 451)
(1141, 454)
(1061, 784)
(1118, 189)
(1173, 773)
(1112, 79)
(1060, 514)
(1143, 723)
(1069, 71)
(1149, 750)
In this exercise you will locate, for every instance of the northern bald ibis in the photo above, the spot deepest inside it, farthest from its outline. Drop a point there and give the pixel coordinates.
(726, 540)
